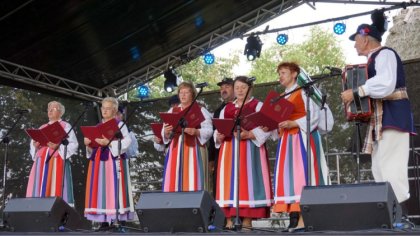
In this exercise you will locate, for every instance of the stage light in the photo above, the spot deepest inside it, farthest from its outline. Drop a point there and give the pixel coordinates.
(282, 39)
(253, 47)
(198, 21)
(171, 80)
(339, 28)
(143, 91)
(208, 58)
(135, 53)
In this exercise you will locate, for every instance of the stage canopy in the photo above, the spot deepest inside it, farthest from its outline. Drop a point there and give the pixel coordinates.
(96, 48)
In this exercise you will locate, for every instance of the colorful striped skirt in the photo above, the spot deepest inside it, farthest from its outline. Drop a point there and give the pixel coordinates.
(290, 173)
(101, 184)
(254, 179)
(186, 166)
(46, 177)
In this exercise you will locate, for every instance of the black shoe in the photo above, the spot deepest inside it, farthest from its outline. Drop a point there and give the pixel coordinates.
(297, 230)
(294, 219)
(104, 226)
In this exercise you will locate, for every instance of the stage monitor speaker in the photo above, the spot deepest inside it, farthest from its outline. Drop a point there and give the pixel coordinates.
(179, 212)
(349, 207)
(40, 215)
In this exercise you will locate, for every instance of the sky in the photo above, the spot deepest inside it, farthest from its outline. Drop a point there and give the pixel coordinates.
(306, 14)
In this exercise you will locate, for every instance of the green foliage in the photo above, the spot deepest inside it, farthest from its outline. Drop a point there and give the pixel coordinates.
(196, 71)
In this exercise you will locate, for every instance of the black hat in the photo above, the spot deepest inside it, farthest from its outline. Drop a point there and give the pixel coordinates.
(225, 81)
(365, 29)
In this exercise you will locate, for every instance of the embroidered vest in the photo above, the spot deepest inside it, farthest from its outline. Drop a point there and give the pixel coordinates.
(396, 113)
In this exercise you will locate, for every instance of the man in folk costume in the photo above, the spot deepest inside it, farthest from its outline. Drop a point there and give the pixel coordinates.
(227, 95)
(391, 123)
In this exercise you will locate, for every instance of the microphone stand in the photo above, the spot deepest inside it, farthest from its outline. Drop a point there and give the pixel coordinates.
(237, 125)
(308, 90)
(358, 140)
(323, 107)
(6, 142)
(183, 124)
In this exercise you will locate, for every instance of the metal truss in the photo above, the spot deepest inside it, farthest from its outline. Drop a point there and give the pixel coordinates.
(185, 54)
(235, 29)
(47, 81)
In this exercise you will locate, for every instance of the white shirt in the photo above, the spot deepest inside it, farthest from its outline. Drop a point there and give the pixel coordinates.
(260, 135)
(206, 128)
(383, 83)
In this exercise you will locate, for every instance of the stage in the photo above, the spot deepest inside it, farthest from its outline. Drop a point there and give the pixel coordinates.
(259, 231)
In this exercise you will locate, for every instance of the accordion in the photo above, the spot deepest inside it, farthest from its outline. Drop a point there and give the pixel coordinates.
(360, 108)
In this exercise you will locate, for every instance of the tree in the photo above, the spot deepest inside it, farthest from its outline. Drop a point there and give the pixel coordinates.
(195, 71)
(320, 50)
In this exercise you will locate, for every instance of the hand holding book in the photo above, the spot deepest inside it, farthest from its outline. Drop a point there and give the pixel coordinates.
(101, 134)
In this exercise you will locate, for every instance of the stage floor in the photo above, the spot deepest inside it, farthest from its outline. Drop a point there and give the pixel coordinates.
(259, 231)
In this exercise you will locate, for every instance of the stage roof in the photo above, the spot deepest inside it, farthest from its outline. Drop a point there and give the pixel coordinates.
(96, 48)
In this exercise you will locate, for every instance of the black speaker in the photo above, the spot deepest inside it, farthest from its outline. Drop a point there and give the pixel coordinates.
(179, 212)
(40, 215)
(349, 207)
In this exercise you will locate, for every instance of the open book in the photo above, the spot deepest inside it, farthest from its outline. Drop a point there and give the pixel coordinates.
(107, 130)
(53, 133)
(271, 114)
(193, 118)
(225, 126)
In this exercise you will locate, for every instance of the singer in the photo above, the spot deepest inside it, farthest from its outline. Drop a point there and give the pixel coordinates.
(101, 187)
(255, 193)
(45, 178)
(190, 147)
(291, 157)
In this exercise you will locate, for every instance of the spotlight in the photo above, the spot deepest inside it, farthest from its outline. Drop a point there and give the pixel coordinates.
(171, 80)
(208, 58)
(339, 28)
(135, 53)
(282, 39)
(143, 91)
(253, 47)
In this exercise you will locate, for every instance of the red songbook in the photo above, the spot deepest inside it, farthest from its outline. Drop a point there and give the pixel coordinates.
(193, 118)
(91, 132)
(50, 133)
(107, 129)
(157, 129)
(272, 113)
(224, 126)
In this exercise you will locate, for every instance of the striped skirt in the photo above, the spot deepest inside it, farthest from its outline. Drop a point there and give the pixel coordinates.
(254, 178)
(101, 184)
(46, 177)
(186, 166)
(290, 173)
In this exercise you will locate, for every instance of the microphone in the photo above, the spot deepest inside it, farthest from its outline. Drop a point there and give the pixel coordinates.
(201, 85)
(323, 100)
(23, 111)
(334, 70)
(251, 79)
